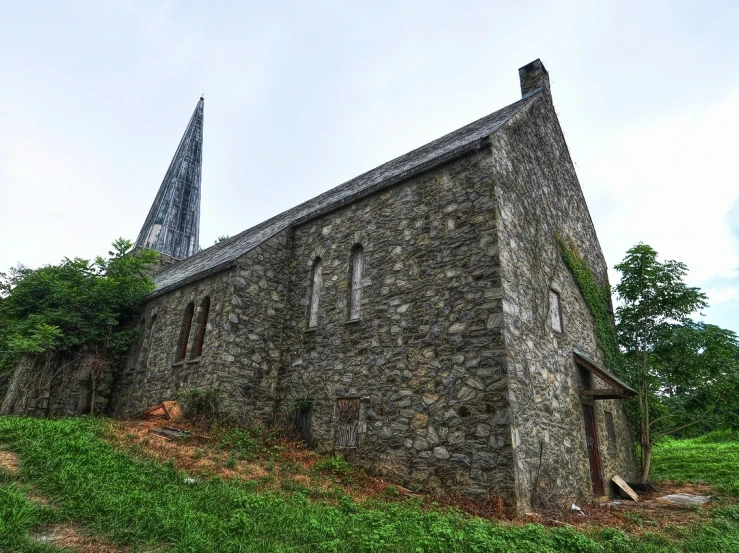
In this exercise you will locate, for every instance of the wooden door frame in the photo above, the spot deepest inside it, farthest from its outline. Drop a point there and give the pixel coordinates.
(594, 460)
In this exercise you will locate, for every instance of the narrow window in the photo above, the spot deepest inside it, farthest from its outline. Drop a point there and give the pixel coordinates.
(555, 311)
(611, 430)
(149, 341)
(202, 327)
(315, 292)
(355, 299)
(347, 422)
(185, 332)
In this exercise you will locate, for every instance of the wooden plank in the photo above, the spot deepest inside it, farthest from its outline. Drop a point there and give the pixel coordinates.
(172, 409)
(621, 483)
(604, 393)
(347, 422)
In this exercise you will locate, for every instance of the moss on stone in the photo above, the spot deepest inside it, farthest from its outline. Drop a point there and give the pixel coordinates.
(597, 299)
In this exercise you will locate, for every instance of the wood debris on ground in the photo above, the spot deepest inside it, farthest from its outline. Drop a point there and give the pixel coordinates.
(621, 483)
(167, 410)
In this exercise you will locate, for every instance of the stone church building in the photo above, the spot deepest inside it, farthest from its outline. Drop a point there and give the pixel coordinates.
(420, 314)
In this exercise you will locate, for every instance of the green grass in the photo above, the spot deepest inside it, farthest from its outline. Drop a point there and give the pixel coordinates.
(712, 459)
(17, 516)
(145, 504)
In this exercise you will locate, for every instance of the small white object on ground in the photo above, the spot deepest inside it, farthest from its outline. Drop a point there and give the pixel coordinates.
(684, 499)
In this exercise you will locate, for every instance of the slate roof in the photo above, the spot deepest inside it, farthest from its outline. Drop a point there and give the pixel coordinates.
(223, 254)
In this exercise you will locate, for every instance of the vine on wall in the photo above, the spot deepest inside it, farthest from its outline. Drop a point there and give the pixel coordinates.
(597, 299)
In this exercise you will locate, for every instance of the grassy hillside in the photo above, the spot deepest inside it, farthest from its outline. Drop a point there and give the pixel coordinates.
(139, 504)
(712, 459)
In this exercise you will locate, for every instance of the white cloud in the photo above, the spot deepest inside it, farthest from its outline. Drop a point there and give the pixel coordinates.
(670, 182)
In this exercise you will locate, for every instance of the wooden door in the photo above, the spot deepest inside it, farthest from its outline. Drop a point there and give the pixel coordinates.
(591, 438)
(347, 422)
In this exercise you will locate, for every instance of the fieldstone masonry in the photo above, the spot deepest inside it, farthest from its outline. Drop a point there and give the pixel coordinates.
(461, 382)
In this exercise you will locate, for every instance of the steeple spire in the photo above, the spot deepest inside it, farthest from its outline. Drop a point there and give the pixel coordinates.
(173, 224)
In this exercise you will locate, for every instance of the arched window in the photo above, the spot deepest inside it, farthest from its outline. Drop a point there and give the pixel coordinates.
(185, 332)
(315, 292)
(202, 326)
(355, 293)
(148, 342)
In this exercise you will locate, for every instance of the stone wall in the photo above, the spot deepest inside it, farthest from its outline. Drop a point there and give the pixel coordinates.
(427, 356)
(253, 343)
(243, 340)
(51, 385)
(539, 197)
(462, 384)
(153, 373)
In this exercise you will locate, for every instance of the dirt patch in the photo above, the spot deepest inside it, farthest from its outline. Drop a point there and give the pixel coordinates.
(39, 499)
(647, 515)
(10, 462)
(70, 536)
(283, 466)
(287, 467)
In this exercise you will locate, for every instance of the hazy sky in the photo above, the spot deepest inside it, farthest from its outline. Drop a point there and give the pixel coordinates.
(302, 96)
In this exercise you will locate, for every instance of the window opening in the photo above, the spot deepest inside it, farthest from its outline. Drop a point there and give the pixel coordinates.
(148, 342)
(355, 299)
(202, 327)
(610, 429)
(347, 422)
(185, 332)
(315, 293)
(555, 311)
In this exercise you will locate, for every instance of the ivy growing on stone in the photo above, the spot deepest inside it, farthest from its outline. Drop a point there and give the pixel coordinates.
(597, 299)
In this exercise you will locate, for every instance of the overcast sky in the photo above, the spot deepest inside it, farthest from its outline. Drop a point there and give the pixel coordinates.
(302, 96)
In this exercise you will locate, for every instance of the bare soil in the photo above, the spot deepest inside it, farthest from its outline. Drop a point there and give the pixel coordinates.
(9, 462)
(287, 466)
(72, 537)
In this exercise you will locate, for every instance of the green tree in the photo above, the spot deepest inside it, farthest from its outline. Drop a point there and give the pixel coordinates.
(654, 298)
(75, 304)
(701, 367)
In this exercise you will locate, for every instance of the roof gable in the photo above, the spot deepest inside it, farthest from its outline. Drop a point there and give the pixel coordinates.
(433, 154)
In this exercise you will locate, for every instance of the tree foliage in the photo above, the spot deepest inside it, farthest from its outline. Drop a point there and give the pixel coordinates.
(77, 303)
(676, 364)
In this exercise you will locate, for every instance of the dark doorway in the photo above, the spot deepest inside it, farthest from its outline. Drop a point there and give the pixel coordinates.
(591, 438)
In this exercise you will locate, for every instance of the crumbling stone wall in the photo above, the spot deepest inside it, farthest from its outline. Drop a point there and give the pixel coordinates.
(539, 197)
(427, 357)
(52, 384)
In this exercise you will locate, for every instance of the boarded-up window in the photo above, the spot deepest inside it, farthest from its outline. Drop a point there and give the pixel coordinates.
(202, 327)
(148, 342)
(185, 332)
(347, 422)
(355, 299)
(611, 429)
(555, 310)
(315, 292)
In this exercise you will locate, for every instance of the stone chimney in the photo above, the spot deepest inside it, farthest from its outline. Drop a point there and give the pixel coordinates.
(533, 77)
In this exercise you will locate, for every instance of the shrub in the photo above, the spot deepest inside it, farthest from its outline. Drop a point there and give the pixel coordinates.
(207, 406)
(334, 465)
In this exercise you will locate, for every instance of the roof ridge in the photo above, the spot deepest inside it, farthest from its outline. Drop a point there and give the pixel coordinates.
(389, 173)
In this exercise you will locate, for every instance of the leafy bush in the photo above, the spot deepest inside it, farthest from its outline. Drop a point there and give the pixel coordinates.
(76, 304)
(334, 465)
(207, 406)
(247, 442)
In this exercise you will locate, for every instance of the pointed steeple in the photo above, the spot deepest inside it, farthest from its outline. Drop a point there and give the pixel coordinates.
(173, 224)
